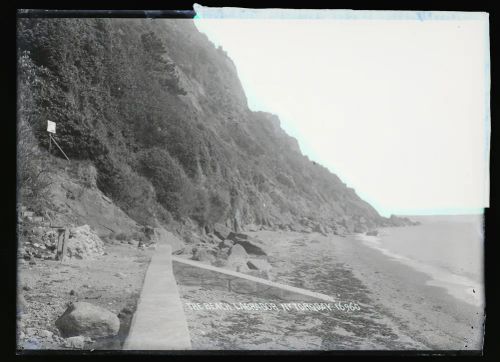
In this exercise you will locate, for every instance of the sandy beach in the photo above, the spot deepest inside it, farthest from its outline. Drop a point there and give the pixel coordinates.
(398, 309)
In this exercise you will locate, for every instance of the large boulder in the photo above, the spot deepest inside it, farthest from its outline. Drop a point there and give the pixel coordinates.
(319, 229)
(251, 245)
(237, 236)
(237, 259)
(238, 251)
(359, 228)
(225, 244)
(83, 242)
(203, 255)
(221, 231)
(252, 227)
(86, 319)
(259, 264)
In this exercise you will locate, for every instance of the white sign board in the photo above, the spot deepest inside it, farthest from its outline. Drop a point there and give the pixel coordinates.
(51, 127)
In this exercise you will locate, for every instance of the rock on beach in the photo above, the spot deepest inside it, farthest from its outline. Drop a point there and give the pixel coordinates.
(86, 319)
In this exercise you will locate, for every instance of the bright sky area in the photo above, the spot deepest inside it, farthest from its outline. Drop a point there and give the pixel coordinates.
(396, 108)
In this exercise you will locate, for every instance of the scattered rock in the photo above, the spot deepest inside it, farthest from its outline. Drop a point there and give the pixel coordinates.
(83, 242)
(46, 334)
(31, 331)
(72, 292)
(21, 304)
(359, 229)
(120, 275)
(86, 319)
(126, 310)
(203, 255)
(77, 342)
(31, 343)
(252, 227)
(320, 229)
(226, 244)
(26, 287)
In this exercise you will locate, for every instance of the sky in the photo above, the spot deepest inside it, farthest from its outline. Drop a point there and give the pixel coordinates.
(396, 108)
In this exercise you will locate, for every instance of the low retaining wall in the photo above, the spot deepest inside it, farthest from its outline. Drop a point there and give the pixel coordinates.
(190, 272)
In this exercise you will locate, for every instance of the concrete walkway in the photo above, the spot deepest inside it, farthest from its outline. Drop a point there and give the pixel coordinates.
(159, 322)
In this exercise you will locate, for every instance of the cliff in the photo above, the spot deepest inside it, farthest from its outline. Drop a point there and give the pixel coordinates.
(160, 113)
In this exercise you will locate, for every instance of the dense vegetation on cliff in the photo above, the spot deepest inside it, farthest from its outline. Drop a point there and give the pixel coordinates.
(162, 115)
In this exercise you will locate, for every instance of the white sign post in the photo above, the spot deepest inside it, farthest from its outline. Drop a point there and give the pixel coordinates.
(51, 127)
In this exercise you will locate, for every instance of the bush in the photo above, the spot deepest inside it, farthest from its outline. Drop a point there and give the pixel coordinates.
(219, 206)
(174, 190)
(33, 181)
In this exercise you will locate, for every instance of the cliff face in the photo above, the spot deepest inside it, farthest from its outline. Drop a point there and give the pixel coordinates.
(162, 115)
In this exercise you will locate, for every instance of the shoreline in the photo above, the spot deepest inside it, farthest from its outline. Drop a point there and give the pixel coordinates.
(458, 286)
(399, 309)
(427, 311)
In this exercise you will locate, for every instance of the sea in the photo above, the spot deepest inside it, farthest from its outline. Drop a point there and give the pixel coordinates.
(447, 248)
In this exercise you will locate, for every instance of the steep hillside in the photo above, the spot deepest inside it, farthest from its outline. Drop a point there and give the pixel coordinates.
(161, 114)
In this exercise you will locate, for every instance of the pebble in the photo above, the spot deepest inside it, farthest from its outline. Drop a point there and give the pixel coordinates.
(45, 333)
(31, 331)
(126, 310)
(76, 342)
